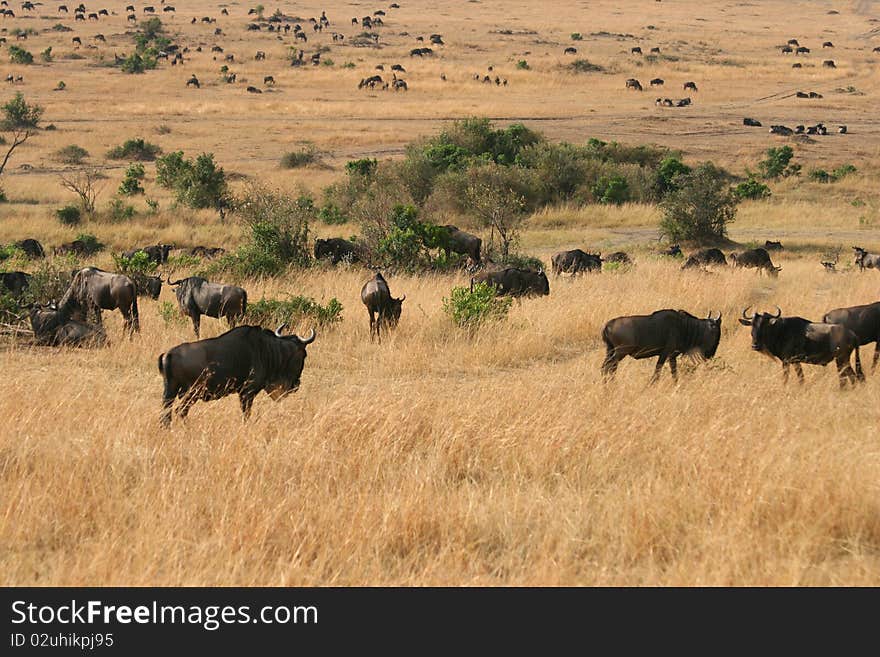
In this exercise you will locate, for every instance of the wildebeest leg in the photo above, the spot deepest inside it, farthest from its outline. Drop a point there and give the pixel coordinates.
(372, 323)
(168, 397)
(660, 362)
(784, 372)
(674, 367)
(609, 366)
(196, 320)
(876, 354)
(800, 372)
(246, 399)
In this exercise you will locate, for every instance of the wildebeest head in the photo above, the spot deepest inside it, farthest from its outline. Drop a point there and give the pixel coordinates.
(711, 337)
(290, 370)
(760, 324)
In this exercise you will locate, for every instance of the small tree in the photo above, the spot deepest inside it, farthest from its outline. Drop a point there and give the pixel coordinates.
(20, 55)
(21, 120)
(471, 307)
(777, 163)
(131, 183)
(493, 197)
(701, 208)
(85, 183)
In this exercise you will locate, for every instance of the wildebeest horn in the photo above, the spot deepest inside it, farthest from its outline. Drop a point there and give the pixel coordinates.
(402, 298)
(308, 340)
(170, 282)
(778, 312)
(279, 329)
(749, 317)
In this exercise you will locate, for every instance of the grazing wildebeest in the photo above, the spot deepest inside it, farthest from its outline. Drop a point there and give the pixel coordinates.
(382, 307)
(657, 82)
(244, 360)
(15, 281)
(636, 50)
(797, 65)
(827, 44)
(207, 251)
(399, 85)
(620, 257)
(515, 282)
(690, 85)
(751, 122)
(793, 42)
(705, 257)
(53, 326)
(462, 243)
(863, 320)
(801, 50)
(802, 94)
(785, 131)
(193, 81)
(795, 340)
(575, 261)
(254, 90)
(772, 246)
(197, 297)
(815, 94)
(683, 102)
(147, 286)
(755, 259)
(829, 63)
(31, 248)
(94, 290)
(841, 129)
(337, 250)
(157, 253)
(570, 51)
(786, 49)
(673, 251)
(866, 260)
(76, 247)
(632, 83)
(269, 80)
(667, 334)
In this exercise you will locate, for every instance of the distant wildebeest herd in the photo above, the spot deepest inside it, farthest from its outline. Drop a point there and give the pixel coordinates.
(247, 359)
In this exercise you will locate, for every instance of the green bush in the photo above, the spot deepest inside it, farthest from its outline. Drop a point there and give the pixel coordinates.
(670, 168)
(138, 263)
(363, 167)
(331, 215)
(71, 154)
(9, 251)
(842, 171)
(46, 55)
(135, 149)
(523, 65)
(118, 210)
(301, 158)
(69, 215)
(611, 190)
(136, 63)
(576, 36)
(169, 168)
(20, 55)
(701, 208)
(585, 66)
(751, 189)
(197, 184)
(523, 262)
(131, 183)
(273, 312)
(91, 243)
(170, 313)
(183, 261)
(471, 308)
(777, 163)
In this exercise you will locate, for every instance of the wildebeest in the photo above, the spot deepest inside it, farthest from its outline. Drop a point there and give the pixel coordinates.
(829, 63)
(157, 253)
(705, 257)
(575, 261)
(382, 307)
(94, 290)
(751, 122)
(785, 131)
(197, 297)
(53, 326)
(636, 50)
(772, 246)
(795, 340)
(207, 251)
(801, 50)
(841, 129)
(657, 82)
(254, 90)
(673, 251)
(755, 259)
(863, 320)
(244, 360)
(690, 85)
(866, 260)
(667, 334)
(337, 250)
(515, 282)
(620, 257)
(15, 281)
(462, 243)
(269, 80)
(570, 51)
(147, 286)
(193, 82)
(31, 248)
(632, 83)
(827, 44)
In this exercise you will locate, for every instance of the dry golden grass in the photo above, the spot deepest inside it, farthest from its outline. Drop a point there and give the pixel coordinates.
(436, 458)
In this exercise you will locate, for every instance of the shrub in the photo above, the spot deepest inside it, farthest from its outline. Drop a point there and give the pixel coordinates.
(303, 157)
(138, 263)
(293, 310)
(131, 183)
(522, 65)
(170, 313)
(471, 308)
(585, 66)
(407, 243)
(71, 154)
(842, 171)
(197, 184)
(135, 149)
(169, 168)
(363, 167)
(751, 189)
(20, 55)
(9, 251)
(330, 214)
(118, 210)
(49, 281)
(69, 215)
(90, 242)
(523, 262)
(46, 55)
(670, 168)
(576, 36)
(819, 175)
(700, 209)
(18, 115)
(135, 63)
(777, 164)
(611, 190)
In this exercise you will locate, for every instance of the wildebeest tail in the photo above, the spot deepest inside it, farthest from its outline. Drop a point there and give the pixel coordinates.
(606, 337)
(161, 359)
(860, 374)
(243, 302)
(135, 319)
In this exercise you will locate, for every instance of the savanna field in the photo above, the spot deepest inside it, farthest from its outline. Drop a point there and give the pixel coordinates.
(444, 456)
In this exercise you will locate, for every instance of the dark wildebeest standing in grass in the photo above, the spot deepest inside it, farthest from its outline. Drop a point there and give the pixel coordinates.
(157, 253)
(703, 258)
(575, 262)
(667, 334)
(463, 243)
(866, 260)
(337, 250)
(54, 327)
(31, 248)
(864, 321)
(16, 282)
(197, 297)
(515, 282)
(95, 290)
(383, 308)
(244, 360)
(795, 340)
(755, 259)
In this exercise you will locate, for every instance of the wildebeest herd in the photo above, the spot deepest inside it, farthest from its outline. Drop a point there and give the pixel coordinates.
(247, 359)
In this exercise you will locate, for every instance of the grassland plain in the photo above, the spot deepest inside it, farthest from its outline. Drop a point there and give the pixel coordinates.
(435, 457)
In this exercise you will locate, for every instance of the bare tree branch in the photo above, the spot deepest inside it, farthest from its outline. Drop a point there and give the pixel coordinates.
(19, 137)
(84, 183)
